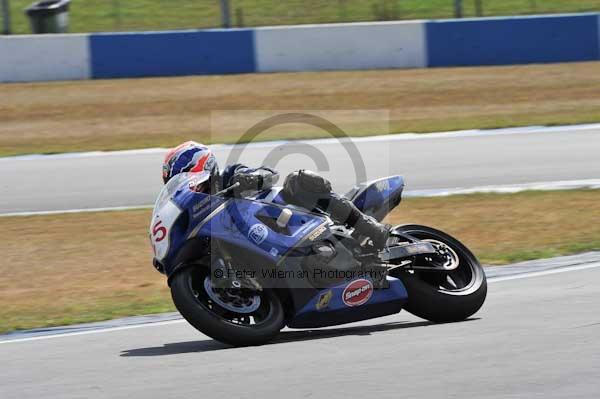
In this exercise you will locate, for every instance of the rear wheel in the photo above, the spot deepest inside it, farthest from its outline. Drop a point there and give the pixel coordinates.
(236, 316)
(452, 292)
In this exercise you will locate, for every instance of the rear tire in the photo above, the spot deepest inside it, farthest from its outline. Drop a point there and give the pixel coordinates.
(432, 298)
(189, 295)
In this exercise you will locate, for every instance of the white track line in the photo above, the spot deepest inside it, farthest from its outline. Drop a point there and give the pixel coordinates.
(442, 192)
(84, 210)
(509, 188)
(98, 331)
(544, 272)
(170, 322)
(364, 139)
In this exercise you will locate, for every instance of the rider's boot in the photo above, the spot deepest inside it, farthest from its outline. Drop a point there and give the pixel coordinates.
(310, 190)
(377, 232)
(344, 211)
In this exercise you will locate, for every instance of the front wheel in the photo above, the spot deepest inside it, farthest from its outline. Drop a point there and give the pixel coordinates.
(239, 317)
(447, 295)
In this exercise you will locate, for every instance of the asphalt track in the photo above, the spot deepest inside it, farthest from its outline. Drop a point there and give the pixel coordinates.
(435, 161)
(535, 337)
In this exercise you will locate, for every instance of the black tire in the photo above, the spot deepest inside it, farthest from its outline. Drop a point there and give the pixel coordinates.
(210, 322)
(427, 299)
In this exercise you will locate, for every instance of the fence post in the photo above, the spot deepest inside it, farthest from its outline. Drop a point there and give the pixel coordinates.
(458, 9)
(117, 12)
(225, 14)
(5, 18)
(479, 8)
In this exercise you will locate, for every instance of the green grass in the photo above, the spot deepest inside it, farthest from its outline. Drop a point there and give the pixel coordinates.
(125, 15)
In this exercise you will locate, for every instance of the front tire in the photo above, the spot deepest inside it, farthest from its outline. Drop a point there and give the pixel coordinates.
(253, 325)
(444, 297)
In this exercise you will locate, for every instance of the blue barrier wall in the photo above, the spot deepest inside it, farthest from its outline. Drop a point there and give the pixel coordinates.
(515, 40)
(394, 44)
(172, 53)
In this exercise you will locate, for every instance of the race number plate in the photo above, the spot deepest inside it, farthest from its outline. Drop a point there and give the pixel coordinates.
(160, 229)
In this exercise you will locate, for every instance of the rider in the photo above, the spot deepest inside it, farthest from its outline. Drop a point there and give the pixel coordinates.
(303, 188)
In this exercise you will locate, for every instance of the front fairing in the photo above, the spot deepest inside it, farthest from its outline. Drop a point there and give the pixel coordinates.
(167, 211)
(246, 225)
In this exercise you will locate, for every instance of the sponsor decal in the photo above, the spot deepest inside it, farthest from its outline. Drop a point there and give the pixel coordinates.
(274, 252)
(357, 292)
(315, 234)
(324, 300)
(201, 207)
(258, 233)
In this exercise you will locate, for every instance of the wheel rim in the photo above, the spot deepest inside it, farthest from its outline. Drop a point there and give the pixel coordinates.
(245, 308)
(233, 300)
(446, 257)
(461, 275)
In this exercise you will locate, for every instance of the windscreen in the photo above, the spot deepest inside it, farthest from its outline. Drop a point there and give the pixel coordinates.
(176, 182)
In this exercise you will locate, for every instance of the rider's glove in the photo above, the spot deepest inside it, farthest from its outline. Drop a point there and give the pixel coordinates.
(247, 182)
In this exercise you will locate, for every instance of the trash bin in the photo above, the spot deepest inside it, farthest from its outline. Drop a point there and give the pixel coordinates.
(49, 16)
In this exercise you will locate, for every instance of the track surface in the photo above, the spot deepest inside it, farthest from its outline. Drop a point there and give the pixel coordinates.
(464, 159)
(535, 337)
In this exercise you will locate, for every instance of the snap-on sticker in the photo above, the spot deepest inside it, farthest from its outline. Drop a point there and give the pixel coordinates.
(357, 292)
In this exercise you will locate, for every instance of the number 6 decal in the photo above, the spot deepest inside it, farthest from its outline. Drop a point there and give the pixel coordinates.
(159, 232)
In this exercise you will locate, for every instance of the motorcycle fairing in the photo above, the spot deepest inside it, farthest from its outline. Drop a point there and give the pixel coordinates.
(382, 302)
(204, 216)
(252, 226)
(377, 198)
(248, 224)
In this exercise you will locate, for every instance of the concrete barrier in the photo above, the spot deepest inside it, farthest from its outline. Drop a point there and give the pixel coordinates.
(31, 58)
(516, 40)
(121, 55)
(341, 46)
(408, 44)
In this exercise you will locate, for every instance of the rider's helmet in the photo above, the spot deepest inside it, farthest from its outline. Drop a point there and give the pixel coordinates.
(189, 157)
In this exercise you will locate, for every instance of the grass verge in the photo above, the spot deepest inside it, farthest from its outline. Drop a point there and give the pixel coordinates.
(72, 268)
(139, 113)
(118, 15)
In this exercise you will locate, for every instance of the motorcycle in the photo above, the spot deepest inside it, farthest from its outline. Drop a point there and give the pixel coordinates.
(242, 268)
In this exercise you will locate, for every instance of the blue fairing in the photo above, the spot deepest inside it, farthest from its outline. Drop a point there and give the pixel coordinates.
(237, 223)
(382, 302)
(249, 227)
(378, 197)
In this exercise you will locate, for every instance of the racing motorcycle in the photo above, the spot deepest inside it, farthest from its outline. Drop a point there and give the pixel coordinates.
(242, 268)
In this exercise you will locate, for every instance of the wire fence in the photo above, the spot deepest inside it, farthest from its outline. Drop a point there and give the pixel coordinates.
(137, 15)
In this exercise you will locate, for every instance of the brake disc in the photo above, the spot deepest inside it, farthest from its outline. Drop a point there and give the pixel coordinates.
(232, 299)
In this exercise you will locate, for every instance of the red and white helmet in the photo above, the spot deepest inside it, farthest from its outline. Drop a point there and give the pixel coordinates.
(189, 157)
